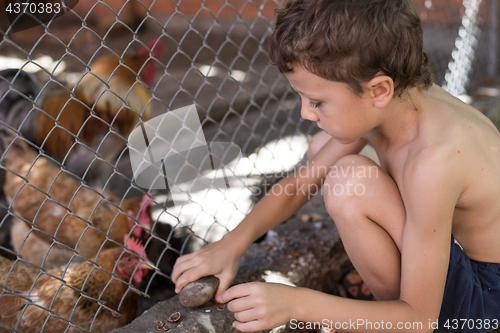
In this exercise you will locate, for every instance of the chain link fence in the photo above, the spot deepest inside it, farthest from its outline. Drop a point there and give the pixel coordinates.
(73, 89)
(461, 38)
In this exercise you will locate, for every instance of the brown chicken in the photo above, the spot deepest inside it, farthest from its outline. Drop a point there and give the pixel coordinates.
(94, 295)
(103, 89)
(62, 217)
(97, 115)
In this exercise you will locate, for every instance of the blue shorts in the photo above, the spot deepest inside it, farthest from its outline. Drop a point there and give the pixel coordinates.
(471, 301)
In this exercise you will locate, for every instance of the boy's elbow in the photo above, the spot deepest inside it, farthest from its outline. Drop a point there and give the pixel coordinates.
(420, 321)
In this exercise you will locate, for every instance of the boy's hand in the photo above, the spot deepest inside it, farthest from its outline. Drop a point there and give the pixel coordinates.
(220, 259)
(259, 306)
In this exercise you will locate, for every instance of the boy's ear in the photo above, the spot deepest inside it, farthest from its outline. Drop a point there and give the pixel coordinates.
(381, 90)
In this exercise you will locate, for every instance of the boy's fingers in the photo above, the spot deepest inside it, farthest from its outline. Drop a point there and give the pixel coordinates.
(183, 259)
(179, 285)
(176, 273)
(188, 276)
(241, 307)
(251, 326)
(182, 266)
(237, 291)
(246, 315)
(224, 283)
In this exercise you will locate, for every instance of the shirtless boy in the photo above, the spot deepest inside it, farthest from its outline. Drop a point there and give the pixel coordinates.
(363, 77)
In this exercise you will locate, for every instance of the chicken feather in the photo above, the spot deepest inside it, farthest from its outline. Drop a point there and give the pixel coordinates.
(60, 210)
(76, 125)
(93, 295)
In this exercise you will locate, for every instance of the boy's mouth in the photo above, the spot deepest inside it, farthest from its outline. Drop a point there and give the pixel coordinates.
(322, 128)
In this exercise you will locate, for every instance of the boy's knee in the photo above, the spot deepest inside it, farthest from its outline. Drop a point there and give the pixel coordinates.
(355, 169)
(354, 160)
(347, 183)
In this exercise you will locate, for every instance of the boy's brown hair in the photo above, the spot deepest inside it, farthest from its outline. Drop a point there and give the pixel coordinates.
(351, 41)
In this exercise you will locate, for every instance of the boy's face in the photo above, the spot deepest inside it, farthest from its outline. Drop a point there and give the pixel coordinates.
(333, 105)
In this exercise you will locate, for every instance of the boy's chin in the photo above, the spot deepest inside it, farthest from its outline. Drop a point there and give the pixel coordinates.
(343, 140)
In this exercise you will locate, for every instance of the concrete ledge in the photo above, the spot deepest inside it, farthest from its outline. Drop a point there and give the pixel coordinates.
(305, 251)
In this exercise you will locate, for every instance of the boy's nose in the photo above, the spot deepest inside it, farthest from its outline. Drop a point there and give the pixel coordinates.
(306, 112)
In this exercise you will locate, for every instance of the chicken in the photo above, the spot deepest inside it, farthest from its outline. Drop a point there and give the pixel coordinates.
(94, 295)
(72, 124)
(121, 77)
(109, 82)
(52, 254)
(60, 213)
(37, 250)
(103, 89)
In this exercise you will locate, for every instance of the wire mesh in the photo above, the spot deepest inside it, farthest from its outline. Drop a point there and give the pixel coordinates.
(73, 89)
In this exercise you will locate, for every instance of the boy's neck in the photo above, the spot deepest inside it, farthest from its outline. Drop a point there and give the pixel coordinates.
(399, 119)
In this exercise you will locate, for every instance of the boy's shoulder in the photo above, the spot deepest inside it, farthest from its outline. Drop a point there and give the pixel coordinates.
(447, 143)
(448, 127)
(444, 127)
(452, 162)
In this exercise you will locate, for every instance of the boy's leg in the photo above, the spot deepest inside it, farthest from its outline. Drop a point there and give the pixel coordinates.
(366, 206)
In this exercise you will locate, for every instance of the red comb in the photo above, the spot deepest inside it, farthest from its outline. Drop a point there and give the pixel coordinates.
(143, 216)
(135, 246)
(155, 45)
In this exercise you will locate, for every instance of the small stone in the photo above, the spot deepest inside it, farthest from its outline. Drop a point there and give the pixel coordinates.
(199, 292)
(316, 217)
(221, 307)
(304, 217)
(174, 317)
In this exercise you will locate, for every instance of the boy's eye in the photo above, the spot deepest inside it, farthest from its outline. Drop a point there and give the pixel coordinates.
(314, 105)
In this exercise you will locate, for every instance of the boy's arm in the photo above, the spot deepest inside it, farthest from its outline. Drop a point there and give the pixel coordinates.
(286, 197)
(430, 189)
(292, 192)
